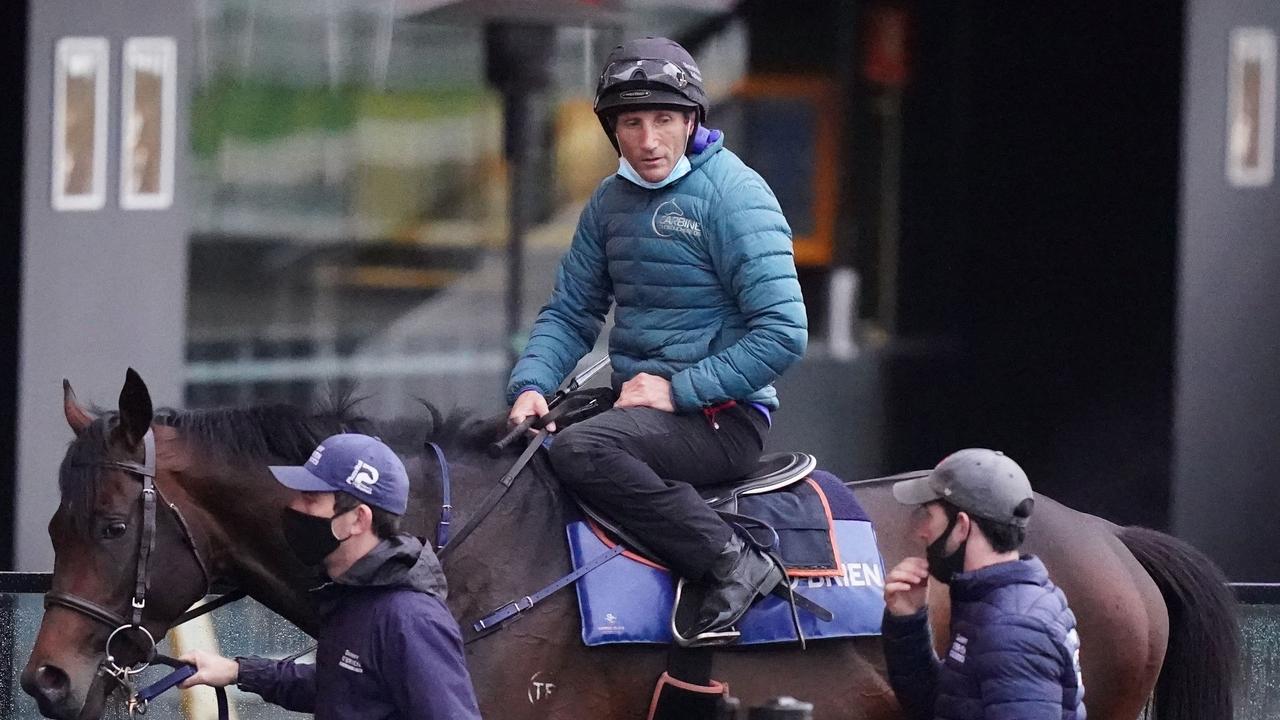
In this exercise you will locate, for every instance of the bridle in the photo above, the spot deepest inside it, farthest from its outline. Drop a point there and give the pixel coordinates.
(145, 472)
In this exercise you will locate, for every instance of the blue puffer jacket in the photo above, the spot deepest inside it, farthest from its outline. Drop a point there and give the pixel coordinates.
(704, 280)
(1014, 653)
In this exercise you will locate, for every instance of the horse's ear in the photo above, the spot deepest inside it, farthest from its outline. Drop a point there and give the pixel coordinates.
(135, 408)
(77, 418)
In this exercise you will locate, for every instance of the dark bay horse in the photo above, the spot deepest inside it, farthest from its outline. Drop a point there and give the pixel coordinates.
(1153, 613)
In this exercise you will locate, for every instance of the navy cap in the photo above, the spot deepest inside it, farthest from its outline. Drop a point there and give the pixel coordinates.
(359, 465)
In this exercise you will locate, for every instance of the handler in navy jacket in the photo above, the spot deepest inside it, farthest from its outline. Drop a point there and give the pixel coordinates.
(691, 249)
(388, 647)
(1014, 652)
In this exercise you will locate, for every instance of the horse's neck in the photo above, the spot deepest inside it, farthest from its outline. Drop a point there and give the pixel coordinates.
(237, 508)
(514, 547)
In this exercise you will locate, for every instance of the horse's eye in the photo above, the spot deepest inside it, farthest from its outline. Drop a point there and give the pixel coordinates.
(113, 531)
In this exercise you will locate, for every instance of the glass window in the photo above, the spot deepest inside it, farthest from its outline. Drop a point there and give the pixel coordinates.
(350, 201)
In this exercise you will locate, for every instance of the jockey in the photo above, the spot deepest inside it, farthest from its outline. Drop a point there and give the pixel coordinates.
(691, 248)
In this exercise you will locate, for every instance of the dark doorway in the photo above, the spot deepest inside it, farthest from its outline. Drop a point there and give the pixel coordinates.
(1039, 242)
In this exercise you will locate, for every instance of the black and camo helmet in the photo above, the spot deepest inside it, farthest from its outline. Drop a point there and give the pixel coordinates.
(649, 72)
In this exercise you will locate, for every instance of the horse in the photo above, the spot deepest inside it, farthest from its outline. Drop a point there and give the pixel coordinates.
(1155, 618)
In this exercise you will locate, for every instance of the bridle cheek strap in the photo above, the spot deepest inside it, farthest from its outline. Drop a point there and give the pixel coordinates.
(147, 541)
(146, 472)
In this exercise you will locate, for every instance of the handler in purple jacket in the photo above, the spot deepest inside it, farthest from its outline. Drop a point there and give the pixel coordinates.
(388, 647)
(1013, 652)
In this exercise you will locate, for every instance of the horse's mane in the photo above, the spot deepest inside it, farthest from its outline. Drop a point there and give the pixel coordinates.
(280, 434)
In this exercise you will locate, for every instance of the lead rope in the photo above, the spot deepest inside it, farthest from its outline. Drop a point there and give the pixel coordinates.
(138, 702)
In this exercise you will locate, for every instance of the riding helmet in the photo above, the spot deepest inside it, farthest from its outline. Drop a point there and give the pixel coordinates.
(648, 72)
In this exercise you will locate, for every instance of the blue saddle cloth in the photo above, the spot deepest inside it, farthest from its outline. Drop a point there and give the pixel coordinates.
(629, 601)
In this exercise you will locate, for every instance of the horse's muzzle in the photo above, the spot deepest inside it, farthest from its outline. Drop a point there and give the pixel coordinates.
(50, 685)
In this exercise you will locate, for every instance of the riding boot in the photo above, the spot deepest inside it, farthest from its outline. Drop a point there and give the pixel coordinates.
(738, 576)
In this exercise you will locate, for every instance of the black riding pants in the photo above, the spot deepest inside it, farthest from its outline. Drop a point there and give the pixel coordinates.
(639, 467)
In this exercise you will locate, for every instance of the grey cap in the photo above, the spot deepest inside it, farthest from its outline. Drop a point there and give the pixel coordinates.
(982, 482)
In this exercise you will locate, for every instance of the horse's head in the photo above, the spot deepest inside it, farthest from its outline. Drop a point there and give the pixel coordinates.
(115, 537)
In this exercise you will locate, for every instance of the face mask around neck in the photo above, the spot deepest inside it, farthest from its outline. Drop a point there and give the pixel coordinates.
(682, 168)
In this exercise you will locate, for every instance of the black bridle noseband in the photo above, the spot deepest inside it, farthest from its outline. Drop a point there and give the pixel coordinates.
(145, 472)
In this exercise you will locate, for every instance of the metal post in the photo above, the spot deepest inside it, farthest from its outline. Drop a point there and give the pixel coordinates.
(518, 62)
(518, 123)
(842, 313)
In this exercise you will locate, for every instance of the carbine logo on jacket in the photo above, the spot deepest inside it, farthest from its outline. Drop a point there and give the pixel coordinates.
(669, 219)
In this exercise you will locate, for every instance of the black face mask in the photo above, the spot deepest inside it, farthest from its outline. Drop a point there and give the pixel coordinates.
(942, 566)
(309, 537)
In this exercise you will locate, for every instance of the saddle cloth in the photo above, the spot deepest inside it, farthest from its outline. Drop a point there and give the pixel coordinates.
(628, 599)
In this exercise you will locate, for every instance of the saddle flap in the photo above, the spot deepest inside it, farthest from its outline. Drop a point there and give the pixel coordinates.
(775, 471)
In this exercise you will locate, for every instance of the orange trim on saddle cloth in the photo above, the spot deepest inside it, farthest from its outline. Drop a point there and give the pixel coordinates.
(610, 543)
(715, 688)
(837, 571)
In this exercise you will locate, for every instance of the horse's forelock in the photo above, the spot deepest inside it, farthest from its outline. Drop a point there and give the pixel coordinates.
(78, 475)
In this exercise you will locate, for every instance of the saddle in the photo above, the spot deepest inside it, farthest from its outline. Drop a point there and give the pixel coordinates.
(823, 538)
(775, 471)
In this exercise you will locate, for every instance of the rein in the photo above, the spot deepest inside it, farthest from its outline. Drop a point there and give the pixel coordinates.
(445, 548)
(145, 472)
(910, 474)
(565, 403)
(499, 616)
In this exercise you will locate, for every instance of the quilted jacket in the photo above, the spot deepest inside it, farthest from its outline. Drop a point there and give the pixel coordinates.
(704, 282)
(1014, 652)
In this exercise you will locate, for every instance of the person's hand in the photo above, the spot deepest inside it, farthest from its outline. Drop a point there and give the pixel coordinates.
(211, 669)
(645, 390)
(530, 402)
(905, 590)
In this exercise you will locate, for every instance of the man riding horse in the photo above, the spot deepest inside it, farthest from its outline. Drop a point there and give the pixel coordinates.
(691, 248)
(1132, 589)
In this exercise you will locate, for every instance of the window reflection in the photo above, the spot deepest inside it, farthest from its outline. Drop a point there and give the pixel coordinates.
(350, 202)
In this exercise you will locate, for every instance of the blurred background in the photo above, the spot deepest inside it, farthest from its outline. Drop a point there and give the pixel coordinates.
(1052, 229)
(1015, 226)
